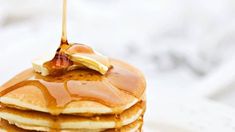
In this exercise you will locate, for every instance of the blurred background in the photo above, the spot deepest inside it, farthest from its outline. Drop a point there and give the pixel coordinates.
(184, 47)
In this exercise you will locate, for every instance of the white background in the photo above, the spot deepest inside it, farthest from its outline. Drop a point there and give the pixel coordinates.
(184, 47)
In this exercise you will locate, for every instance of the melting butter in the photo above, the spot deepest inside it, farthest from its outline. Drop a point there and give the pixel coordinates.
(81, 56)
(95, 62)
(38, 65)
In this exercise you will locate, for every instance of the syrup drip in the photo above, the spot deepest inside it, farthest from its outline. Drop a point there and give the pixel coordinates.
(64, 40)
(59, 64)
(118, 122)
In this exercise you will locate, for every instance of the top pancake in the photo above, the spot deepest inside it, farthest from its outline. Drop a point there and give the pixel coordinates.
(81, 91)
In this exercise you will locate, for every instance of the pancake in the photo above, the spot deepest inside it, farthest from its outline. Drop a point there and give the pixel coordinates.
(80, 100)
(134, 127)
(24, 98)
(6, 127)
(41, 120)
(79, 91)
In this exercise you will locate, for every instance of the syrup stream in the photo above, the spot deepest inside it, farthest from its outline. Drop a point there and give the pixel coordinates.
(64, 39)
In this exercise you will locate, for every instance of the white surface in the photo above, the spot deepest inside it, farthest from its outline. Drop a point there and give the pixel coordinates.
(217, 82)
(181, 114)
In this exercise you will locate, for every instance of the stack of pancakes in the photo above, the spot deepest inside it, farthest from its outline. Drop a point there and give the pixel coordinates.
(80, 100)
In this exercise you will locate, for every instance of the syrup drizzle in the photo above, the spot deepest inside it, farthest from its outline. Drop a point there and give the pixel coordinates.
(59, 64)
(85, 84)
(64, 39)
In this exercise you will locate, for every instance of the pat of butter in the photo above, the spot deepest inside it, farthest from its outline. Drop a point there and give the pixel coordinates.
(38, 66)
(94, 61)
